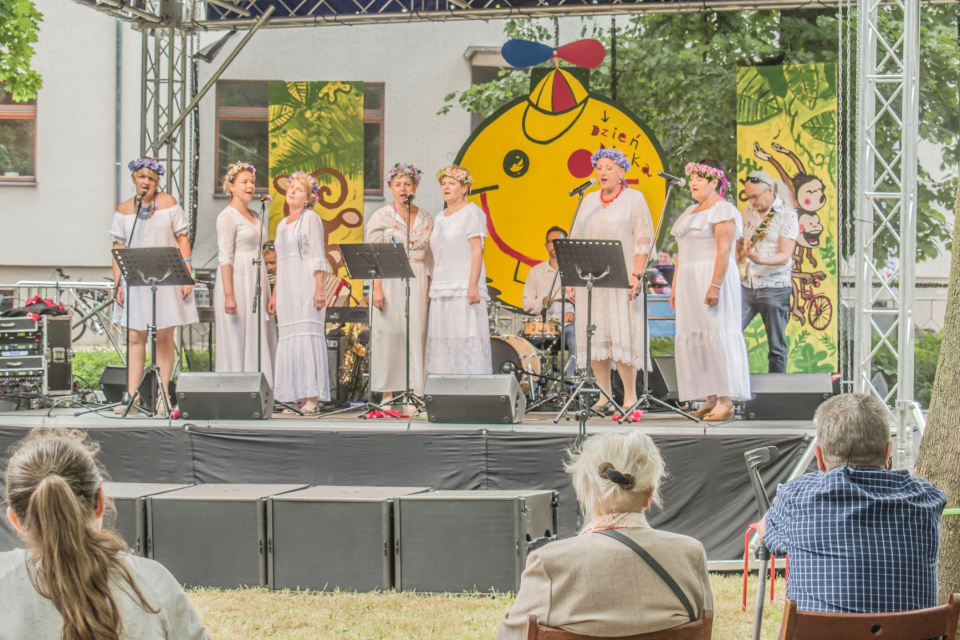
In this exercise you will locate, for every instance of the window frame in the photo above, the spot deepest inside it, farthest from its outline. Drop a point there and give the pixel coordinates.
(376, 116)
(22, 111)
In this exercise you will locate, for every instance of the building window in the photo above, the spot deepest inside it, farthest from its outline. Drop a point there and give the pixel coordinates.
(18, 139)
(373, 174)
(242, 130)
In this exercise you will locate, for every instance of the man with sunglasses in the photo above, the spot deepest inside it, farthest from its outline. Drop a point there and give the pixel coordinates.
(770, 230)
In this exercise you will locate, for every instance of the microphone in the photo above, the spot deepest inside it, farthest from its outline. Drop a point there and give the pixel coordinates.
(265, 199)
(674, 179)
(408, 198)
(586, 185)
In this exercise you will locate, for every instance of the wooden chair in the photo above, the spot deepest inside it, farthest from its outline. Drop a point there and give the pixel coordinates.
(908, 625)
(699, 630)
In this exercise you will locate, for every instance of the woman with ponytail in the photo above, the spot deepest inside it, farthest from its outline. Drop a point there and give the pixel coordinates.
(75, 580)
(620, 576)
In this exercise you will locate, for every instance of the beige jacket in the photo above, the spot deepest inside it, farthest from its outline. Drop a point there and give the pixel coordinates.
(595, 585)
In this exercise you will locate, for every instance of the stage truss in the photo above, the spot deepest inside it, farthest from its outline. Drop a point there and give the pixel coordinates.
(885, 168)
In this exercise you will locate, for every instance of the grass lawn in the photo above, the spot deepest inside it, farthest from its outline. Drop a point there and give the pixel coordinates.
(259, 613)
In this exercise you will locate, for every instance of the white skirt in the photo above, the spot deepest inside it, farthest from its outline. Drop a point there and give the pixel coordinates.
(458, 337)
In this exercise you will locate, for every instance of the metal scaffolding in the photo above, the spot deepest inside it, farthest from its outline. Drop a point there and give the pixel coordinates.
(886, 213)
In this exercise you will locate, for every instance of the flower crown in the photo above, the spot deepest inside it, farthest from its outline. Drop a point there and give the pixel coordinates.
(459, 174)
(404, 169)
(709, 173)
(611, 154)
(313, 192)
(146, 163)
(232, 172)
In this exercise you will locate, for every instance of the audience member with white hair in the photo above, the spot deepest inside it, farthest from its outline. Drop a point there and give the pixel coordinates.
(77, 580)
(598, 583)
(862, 538)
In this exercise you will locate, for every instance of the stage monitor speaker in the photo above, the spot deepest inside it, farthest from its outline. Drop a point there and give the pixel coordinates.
(787, 396)
(333, 537)
(663, 381)
(224, 396)
(130, 500)
(456, 541)
(113, 383)
(213, 535)
(474, 399)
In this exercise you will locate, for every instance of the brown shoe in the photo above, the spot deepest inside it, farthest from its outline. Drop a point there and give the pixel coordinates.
(720, 417)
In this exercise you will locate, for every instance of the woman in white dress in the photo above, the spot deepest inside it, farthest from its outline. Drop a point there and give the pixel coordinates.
(299, 301)
(392, 224)
(151, 219)
(458, 335)
(240, 234)
(712, 362)
(614, 213)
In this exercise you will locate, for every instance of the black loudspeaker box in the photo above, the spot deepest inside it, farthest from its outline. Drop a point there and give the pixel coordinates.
(224, 396)
(213, 535)
(456, 541)
(113, 384)
(474, 399)
(787, 396)
(662, 378)
(333, 537)
(130, 501)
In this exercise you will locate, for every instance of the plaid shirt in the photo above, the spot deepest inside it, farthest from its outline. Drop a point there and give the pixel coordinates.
(860, 540)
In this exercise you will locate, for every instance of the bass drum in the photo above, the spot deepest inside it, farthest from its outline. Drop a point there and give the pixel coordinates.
(517, 354)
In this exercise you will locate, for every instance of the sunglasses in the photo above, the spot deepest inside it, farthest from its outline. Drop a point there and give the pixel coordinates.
(755, 180)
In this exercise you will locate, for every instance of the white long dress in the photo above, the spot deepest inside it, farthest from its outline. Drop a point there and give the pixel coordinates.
(710, 352)
(239, 240)
(301, 370)
(618, 320)
(388, 327)
(458, 334)
(159, 230)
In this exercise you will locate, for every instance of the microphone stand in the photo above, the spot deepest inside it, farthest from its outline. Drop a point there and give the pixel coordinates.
(137, 201)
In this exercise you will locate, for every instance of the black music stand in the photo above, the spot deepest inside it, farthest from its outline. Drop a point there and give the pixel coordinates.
(590, 263)
(381, 261)
(152, 267)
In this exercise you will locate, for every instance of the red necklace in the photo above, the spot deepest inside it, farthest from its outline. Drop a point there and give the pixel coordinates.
(615, 196)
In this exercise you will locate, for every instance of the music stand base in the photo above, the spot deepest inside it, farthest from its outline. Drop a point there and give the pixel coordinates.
(646, 401)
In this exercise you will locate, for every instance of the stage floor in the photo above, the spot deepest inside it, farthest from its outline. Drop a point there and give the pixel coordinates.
(707, 494)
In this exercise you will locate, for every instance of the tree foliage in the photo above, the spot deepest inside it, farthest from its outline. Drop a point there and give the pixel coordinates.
(19, 26)
(678, 73)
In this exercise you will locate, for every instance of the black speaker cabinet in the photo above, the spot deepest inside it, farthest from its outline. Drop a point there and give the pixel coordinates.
(455, 541)
(474, 399)
(224, 396)
(213, 535)
(333, 537)
(662, 379)
(787, 396)
(130, 500)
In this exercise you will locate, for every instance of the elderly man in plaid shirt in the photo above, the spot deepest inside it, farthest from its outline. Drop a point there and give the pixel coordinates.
(862, 538)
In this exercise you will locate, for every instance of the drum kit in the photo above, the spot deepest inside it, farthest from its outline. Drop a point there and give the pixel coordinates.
(532, 355)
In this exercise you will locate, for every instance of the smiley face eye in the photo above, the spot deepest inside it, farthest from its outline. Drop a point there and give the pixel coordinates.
(516, 163)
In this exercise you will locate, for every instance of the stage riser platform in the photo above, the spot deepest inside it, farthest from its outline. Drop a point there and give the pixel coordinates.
(707, 496)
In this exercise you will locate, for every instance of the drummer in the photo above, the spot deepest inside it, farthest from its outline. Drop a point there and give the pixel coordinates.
(537, 296)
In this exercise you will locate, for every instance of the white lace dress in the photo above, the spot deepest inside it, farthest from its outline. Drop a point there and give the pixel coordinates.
(388, 329)
(458, 334)
(159, 230)
(238, 242)
(710, 352)
(301, 370)
(618, 320)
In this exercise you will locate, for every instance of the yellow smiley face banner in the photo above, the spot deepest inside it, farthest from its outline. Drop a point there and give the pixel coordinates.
(787, 126)
(528, 156)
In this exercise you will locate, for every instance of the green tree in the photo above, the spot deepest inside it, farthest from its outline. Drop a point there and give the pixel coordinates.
(678, 72)
(19, 26)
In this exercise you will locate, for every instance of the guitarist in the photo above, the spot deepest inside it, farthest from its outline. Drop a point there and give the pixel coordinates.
(765, 255)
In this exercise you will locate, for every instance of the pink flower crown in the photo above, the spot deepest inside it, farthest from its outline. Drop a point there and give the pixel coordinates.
(404, 169)
(709, 173)
(313, 193)
(232, 172)
(459, 174)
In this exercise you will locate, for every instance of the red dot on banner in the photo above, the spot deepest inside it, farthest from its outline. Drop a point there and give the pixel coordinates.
(579, 163)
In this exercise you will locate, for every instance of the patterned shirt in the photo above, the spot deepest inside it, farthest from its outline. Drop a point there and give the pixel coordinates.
(785, 223)
(860, 540)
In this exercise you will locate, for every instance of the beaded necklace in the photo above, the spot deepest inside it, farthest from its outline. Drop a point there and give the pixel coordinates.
(147, 212)
(615, 196)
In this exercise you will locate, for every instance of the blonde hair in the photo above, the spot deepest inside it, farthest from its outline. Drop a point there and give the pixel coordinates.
(612, 472)
(53, 481)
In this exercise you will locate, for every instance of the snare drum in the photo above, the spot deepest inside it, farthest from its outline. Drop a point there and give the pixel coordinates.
(517, 351)
(536, 329)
